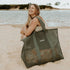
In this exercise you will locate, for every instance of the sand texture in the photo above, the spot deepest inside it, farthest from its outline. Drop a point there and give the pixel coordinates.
(10, 50)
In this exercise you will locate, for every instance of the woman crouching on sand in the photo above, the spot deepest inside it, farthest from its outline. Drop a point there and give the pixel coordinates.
(32, 21)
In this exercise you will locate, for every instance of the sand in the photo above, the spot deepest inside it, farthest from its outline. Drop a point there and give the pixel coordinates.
(10, 50)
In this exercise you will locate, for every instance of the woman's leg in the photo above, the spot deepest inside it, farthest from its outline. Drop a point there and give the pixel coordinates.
(22, 30)
(22, 33)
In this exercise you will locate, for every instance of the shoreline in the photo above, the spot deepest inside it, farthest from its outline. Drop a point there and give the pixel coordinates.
(21, 25)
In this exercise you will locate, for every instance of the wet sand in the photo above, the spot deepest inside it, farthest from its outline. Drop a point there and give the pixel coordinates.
(10, 50)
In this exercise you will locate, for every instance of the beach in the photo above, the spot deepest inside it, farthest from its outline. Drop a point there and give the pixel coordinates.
(11, 46)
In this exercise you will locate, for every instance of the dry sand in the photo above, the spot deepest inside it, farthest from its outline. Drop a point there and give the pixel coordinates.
(10, 50)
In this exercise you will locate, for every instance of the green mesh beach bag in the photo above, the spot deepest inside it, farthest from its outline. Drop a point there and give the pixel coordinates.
(41, 47)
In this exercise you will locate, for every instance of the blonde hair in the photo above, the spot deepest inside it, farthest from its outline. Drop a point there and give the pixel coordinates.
(37, 13)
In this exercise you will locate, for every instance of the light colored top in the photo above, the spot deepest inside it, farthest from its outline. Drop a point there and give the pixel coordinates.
(38, 28)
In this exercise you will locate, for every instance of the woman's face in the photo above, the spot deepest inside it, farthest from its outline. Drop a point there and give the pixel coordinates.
(32, 10)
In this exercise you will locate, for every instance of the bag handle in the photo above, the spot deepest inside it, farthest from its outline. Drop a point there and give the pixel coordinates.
(41, 22)
(35, 40)
(36, 44)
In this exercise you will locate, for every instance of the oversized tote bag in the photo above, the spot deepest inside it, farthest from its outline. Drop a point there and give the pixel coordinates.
(41, 47)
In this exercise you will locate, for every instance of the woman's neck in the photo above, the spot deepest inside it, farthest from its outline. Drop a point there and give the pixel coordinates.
(33, 16)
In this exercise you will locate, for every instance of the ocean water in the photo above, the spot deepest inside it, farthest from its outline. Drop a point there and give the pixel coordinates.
(51, 17)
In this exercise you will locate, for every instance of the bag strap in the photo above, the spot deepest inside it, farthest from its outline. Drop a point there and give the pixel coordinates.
(36, 44)
(35, 41)
(37, 48)
(43, 27)
(41, 22)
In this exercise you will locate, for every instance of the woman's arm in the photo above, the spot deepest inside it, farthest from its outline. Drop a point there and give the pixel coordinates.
(32, 26)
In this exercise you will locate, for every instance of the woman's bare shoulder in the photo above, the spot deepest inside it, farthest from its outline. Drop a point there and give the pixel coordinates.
(42, 19)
